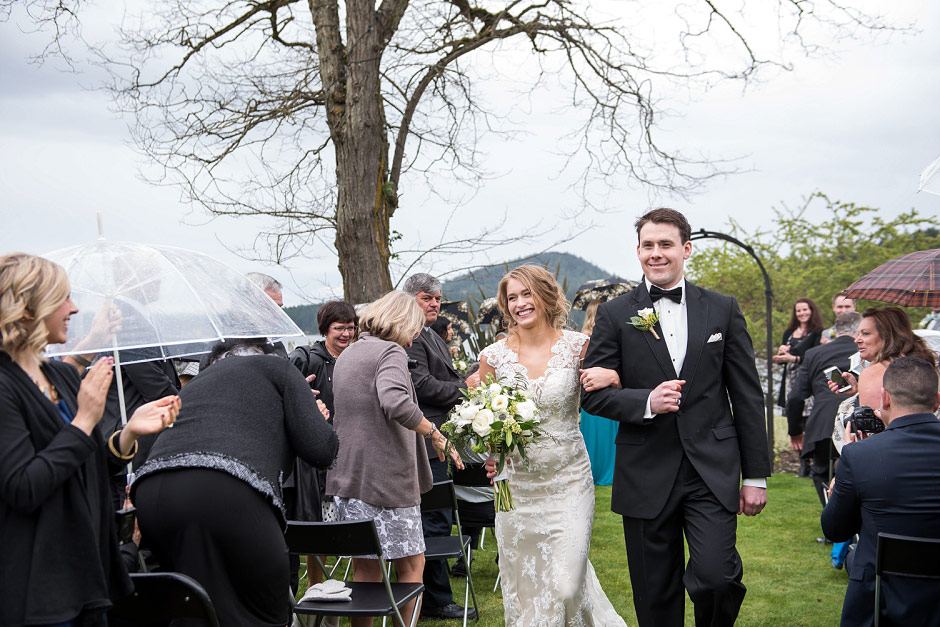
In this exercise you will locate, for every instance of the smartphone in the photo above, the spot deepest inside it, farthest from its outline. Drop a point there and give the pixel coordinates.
(835, 375)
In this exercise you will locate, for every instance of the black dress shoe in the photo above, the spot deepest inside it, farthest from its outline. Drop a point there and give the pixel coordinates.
(459, 569)
(451, 610)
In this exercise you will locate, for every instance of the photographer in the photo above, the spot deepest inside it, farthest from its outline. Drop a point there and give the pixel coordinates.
(891, 483)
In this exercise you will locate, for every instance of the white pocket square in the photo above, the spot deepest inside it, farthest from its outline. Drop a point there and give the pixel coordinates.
(715, 337)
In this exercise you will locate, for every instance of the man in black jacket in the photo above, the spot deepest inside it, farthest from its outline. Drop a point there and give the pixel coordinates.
(438, 386)
(890, 482)
(816, 442)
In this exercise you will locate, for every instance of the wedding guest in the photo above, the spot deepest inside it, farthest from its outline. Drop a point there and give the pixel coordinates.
(244, 419)
(890, 483)
(439, 386)
(336, 322)
(841, 304)
(61, 564)
(383, 469)
(802, 333)
(599, 433)
(443, 327)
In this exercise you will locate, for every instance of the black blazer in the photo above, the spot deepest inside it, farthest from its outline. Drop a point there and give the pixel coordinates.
(889, 482)
(811, 381)
(60, 554)
(720, 425)
(437, 382)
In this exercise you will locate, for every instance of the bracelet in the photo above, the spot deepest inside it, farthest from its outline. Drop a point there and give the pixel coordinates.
(117, 453)
(430, 433)
(81, 361)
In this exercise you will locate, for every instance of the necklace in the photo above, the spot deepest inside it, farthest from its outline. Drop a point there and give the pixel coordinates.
(47, 391)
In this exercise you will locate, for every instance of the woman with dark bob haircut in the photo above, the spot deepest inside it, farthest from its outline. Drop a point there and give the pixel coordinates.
(60, 564)
(337, 322)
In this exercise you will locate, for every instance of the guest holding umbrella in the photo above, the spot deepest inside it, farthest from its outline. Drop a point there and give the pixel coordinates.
(61, 564)
(383, 468)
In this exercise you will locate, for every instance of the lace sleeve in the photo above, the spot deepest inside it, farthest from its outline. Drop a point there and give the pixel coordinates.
(576, 342)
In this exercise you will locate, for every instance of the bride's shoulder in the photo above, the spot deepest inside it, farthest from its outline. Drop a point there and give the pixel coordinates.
(494, 351)
(575, 339)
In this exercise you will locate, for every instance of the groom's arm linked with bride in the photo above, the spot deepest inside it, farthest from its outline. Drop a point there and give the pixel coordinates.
(691, 417)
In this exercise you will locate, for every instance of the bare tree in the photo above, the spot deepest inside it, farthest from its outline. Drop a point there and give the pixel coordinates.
(250, 105)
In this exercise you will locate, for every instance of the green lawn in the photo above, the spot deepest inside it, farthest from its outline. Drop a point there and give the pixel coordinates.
(787, 573)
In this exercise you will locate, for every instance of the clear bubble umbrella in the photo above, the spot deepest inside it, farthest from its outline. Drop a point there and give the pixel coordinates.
(930, 178)
(164, 302)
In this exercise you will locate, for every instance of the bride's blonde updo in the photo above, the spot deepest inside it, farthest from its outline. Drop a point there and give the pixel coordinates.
(31, 288)
(544, 288)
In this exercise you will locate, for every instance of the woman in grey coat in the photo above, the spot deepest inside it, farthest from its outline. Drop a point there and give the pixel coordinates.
(382, 467)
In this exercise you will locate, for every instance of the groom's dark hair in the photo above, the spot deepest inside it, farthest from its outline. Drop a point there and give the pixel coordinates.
(664, 215)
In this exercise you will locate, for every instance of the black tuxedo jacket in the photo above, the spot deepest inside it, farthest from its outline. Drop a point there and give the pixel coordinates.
(811, 381)
(720, 423)
(889, 482)
(437, 382)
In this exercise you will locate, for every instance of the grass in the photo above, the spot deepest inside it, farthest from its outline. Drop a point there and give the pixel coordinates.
(787, 573)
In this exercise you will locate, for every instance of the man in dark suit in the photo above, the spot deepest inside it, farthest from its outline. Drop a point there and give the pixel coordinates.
(816, 441)
(890, 482)
(438, 386)
(691, 416)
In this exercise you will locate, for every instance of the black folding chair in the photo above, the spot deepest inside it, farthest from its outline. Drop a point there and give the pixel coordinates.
(904, 555)
(355, 538)
(159, 598)
(442, 497)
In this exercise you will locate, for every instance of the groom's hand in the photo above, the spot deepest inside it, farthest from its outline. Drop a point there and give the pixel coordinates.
(752, 500)
(665, 397)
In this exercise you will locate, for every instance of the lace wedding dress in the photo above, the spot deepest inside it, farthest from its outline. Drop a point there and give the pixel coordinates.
(546, 577)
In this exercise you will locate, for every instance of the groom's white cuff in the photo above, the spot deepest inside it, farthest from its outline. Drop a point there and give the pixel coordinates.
(760, 482)
(648, 414)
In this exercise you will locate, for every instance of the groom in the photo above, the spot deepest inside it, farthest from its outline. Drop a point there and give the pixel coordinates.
(691, 419)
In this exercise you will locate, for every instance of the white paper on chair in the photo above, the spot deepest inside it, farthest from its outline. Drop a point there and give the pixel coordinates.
(329, 590)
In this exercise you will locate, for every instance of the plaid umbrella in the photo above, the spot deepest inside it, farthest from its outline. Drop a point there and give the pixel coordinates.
(601, 290)
(911, 280)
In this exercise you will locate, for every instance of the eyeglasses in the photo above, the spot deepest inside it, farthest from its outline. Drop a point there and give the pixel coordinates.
(347, 329)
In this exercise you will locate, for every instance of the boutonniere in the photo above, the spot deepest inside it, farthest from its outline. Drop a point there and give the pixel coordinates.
(645, 320)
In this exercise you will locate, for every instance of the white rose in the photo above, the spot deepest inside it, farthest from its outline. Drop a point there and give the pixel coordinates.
(526, 409)
(500, 402)
(494, 389)
(643, 313)
(482, 421)
(466, 414)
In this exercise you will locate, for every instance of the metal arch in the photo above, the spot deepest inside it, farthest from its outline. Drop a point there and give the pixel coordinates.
(769, 297)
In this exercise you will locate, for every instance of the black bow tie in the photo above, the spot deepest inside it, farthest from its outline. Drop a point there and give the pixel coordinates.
(675, 294)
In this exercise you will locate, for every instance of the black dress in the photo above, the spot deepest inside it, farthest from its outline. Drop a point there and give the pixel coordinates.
(209, 499)
(60, 558)
(309, 482)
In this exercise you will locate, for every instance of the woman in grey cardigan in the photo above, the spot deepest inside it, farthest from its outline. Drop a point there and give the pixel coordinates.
(382, 467)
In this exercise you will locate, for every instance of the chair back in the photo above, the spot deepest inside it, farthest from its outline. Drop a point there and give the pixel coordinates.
(907, 555)
(904, 555)
(441, 496)
(473, 475)
(348, 537)
(161, 597)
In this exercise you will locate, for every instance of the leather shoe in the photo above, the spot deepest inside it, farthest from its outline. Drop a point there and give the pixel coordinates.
(451, 610)
(459, 569)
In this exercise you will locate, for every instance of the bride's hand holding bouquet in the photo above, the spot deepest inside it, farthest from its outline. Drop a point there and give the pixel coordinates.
(498, 418)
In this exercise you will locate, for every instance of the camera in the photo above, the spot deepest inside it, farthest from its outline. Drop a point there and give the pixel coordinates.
(864, 419)
(412, 364)
(125, 524)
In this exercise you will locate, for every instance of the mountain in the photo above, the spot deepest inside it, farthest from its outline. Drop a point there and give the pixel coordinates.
(572, 271)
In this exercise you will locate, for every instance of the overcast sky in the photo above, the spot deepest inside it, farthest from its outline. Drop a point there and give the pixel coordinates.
(859, 125)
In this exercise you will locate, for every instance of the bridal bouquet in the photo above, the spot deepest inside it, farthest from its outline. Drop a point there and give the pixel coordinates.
(497, 418)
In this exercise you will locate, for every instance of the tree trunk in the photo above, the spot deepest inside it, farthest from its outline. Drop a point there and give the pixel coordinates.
(356, 117)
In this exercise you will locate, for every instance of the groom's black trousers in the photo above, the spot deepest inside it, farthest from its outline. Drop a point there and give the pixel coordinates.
(655, 554)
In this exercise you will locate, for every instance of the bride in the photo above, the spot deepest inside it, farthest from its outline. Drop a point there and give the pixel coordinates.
(546, 577)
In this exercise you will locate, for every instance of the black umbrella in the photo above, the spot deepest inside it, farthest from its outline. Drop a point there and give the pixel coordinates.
(488, 312)
(601, 290)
